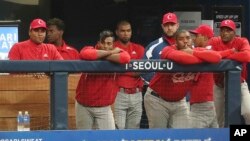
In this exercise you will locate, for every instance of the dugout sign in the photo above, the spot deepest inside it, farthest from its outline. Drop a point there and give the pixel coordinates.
(150, 65)
(158, 65)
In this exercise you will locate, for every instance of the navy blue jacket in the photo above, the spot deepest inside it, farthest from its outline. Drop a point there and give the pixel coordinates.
(153, 51)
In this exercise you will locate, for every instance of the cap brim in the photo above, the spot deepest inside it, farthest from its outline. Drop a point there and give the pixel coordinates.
(170, 22)
(38, 27)
(227, 27)
(193, 31)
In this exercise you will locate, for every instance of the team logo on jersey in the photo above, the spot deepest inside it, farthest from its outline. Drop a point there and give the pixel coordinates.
(45, 55)
(208, 47)
(182, 77)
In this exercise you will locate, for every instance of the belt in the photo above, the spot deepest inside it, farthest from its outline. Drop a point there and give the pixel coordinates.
(130, 90)
(155, 94)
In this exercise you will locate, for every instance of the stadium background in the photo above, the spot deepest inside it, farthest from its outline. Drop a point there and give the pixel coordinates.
(86, 18)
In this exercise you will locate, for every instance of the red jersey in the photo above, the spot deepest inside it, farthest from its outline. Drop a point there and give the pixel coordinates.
(28, 50)
(67, 52)
(202, 88)
(199, 55)
(97, 90)
(242, 54)
(136, 51)
(174, 86)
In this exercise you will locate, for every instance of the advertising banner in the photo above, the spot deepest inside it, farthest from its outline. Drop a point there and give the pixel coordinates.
(8, 37)
(221, 134)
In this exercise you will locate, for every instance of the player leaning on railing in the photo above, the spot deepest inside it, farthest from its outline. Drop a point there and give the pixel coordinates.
(165, 102)
(96, 93)
(128, 103)
(229, 40)
(202, 109)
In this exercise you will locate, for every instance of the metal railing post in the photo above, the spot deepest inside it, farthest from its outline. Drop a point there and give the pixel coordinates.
(232, 98)
(59, 101)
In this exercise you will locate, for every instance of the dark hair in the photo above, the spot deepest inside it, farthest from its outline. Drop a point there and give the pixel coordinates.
(123, 22)
(57, 22)
(178, 32)
(105, 34)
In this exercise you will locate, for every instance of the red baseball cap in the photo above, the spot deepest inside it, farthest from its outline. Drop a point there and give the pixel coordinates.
(228, 23)
(38, 23)
(169, 18)
(204, 30)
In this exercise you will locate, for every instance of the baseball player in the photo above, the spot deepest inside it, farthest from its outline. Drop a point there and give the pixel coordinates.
(229, 40)
(153, 51)
(96, 92)
(34, 48)
(55, 32)
(128, 103)
(165, 105)
(202, 114)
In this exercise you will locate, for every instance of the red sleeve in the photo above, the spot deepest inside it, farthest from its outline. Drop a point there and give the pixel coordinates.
(207, 55)
(75, 53)
(214, 41)
(77, 56)
(179, 56)
(88, 53)
(244, 45)
(14, 53)
(226, 53)
(243, 54)
(140, 51)
(166, 52)
(124, 57)
(56, 54)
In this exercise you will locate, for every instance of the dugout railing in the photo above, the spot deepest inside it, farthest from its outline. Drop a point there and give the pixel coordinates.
(59, 71)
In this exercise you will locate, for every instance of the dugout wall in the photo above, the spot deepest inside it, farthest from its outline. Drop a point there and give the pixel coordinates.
(59, 71)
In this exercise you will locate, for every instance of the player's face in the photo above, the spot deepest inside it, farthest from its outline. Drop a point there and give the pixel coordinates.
(37, 35)
(170, 29)
(53, 34)
(227, 34)
(184, 40)
(199, 40)
(124, 33)
(107, 44)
